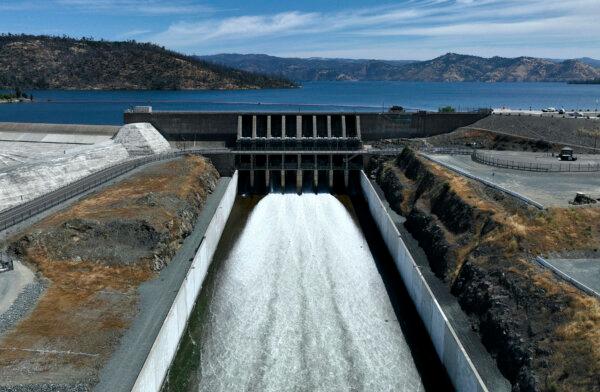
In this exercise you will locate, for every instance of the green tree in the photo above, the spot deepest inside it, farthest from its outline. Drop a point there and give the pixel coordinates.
(446, 109)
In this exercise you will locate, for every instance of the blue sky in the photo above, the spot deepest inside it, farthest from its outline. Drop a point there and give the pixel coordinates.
(410, 29)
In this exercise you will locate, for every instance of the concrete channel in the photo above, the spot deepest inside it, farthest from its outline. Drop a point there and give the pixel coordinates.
(304, 292)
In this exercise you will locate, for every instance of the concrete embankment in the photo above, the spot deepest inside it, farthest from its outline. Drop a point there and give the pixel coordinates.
(56, 133)
(158, 358)
(449, 348)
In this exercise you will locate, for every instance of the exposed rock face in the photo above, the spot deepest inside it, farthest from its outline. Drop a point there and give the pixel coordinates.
(142, 139)
(528, 320)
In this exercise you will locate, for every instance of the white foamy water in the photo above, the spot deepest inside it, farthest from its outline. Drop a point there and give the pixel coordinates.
(299, 305)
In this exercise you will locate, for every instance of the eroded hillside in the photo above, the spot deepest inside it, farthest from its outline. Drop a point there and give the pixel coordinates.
(544, 333)
(93, 256)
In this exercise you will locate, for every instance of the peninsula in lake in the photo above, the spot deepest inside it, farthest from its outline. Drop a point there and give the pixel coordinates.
(44, 62)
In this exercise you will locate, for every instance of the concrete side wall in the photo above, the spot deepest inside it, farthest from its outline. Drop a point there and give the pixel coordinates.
(190, 126)
(165, 346)
(461, 370)
(211, 126)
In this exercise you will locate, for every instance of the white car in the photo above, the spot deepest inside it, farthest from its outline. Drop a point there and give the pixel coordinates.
(549, 110)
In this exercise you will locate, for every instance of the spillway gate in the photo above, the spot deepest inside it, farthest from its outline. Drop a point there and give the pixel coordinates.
(276, 148)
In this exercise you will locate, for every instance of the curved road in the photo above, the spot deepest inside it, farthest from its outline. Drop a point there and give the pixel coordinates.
(12, 283)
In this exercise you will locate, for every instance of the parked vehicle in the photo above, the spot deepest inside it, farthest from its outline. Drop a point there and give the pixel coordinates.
(549, 110)
(6, 265)
(566, 154)
(561, 111)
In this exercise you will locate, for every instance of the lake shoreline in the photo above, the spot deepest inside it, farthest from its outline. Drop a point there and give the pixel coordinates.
(101, 107)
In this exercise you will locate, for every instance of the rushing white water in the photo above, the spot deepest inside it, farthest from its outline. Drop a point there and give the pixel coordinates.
(299, 305)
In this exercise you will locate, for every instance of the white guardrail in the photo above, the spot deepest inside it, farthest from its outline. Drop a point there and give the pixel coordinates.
(544, 263)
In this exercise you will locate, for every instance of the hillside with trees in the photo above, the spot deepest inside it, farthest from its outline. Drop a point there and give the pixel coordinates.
(44, 62)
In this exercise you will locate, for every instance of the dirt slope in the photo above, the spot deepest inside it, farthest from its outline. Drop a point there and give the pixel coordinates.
(94, 255)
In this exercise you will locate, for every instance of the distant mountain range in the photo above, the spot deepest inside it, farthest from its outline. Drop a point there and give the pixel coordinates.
(585, 60)
(450, 67)
(43, 62)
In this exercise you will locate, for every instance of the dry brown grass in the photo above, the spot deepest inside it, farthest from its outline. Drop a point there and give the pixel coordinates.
(88, 305)
(523, 234)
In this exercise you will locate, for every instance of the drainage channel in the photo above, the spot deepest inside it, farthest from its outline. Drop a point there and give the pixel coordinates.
(302, 295)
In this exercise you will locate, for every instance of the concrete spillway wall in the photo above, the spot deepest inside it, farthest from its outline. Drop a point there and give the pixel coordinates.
(462, 372)
(163, 350)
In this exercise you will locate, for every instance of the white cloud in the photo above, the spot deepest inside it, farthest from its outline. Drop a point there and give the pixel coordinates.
(148, 7)
(236, 28)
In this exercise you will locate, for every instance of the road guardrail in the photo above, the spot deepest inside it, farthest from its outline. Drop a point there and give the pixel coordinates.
(22, 212)
(487, 159)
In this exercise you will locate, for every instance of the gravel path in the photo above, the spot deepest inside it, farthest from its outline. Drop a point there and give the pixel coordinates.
(12, 283)
(24, 300)
(46, 388)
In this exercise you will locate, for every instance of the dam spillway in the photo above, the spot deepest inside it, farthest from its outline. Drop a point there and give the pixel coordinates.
(296, 302)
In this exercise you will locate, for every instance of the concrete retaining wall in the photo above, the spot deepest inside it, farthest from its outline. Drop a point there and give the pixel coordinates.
(462, 372)
(165, 346)
(222, 126)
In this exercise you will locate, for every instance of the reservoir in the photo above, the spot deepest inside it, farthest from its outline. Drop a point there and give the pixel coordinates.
(296, 300)
(106, 107)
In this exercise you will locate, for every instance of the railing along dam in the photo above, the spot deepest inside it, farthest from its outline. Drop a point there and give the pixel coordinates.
(296, 300)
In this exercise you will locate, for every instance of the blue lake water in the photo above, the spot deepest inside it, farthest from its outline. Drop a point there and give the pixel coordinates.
(106, 107)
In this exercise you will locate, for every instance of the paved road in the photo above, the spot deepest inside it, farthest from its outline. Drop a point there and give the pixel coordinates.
(298, 305)
(12, 284)
(541, 157)
(586, 271)
(549, 189)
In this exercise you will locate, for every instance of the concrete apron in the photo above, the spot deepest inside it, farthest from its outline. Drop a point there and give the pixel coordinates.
(148, 347)
(461, 370)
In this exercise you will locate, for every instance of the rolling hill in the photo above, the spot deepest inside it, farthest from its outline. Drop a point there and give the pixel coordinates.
(450, 67)
(43, 62)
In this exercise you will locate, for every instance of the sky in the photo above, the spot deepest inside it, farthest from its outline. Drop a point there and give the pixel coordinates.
(403, 30)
